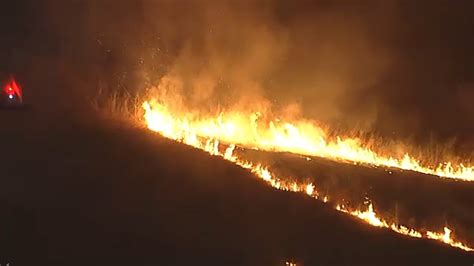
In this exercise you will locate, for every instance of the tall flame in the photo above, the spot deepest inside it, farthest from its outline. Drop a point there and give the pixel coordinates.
(301, 137)
(207, 134)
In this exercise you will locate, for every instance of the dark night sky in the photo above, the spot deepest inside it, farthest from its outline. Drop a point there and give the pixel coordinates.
(395, 67)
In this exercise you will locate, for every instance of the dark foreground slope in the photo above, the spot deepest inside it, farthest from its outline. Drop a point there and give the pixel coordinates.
(106, 194)
(412, 199)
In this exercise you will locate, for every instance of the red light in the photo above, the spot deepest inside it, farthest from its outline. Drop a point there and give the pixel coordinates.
(13, 89)
(9, 90)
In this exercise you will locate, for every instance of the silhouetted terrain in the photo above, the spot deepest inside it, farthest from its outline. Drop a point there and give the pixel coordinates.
(109, 194)
(76, 189)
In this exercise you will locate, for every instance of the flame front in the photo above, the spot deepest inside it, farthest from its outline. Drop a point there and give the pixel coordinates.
(300, 137)
(206, 134)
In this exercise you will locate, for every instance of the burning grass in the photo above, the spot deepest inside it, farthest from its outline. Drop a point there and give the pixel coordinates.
(300, 136)
(288, 184)
(205, 131)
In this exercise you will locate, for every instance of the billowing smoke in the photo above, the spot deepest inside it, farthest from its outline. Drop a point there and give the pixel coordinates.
(261, 54)
(397, 68)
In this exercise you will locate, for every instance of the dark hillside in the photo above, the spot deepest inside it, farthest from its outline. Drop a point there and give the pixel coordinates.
(108, 194)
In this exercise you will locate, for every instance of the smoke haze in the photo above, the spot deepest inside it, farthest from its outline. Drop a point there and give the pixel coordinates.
(394, 67)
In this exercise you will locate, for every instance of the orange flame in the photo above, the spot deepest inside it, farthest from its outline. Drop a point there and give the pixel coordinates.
(300, 137)
(200, 134)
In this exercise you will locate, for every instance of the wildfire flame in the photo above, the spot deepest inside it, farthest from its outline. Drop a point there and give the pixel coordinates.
(300, 137)
(207, 134)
